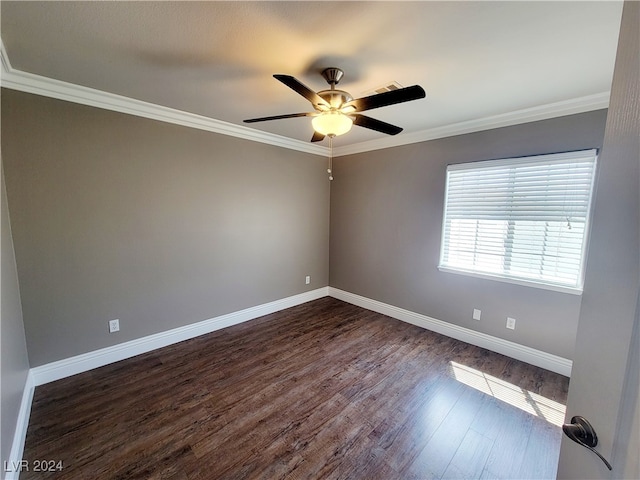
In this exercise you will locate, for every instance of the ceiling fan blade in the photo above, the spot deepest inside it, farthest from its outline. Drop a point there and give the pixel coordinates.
(317, 137)
(279, 117)
(391, 97)
(377, 125)
(302, 89)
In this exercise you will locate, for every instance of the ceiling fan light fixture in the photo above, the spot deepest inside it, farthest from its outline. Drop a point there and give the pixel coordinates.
(332, 124)
(336, 111)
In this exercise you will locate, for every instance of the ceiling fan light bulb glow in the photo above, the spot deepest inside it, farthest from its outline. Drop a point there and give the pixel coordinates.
(332, 124)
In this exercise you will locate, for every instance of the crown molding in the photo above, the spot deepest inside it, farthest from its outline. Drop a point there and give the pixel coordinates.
(48, 87)
(5, 64)
(27, 82)
(543, 112)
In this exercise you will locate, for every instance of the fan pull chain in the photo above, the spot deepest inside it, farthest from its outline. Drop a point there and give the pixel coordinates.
(330, 169)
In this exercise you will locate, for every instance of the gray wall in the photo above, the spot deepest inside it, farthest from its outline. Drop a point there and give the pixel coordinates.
(386, 217)
(160, 226)
(15, 363)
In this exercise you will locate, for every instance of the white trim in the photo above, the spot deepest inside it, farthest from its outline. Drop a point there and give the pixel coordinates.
(587, 103)
(505, 347)
(104, 356)
(4, 60)
(88, 361)
(49, 87)
(22, 423)
(27, 82)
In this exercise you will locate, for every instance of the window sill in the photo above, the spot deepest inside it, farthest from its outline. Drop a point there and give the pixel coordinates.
(513, 281)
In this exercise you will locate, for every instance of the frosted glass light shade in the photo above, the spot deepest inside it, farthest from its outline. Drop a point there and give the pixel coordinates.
(332, 124)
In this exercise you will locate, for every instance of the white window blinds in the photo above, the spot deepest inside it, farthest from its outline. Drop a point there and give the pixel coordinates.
(522, 220)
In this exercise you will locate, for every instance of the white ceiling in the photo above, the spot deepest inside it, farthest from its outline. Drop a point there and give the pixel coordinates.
(476, 60)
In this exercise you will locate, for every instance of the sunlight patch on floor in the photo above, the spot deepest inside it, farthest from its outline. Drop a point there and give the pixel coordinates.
(552, 411)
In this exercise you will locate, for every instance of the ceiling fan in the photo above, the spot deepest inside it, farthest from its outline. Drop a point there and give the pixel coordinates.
(336, 110)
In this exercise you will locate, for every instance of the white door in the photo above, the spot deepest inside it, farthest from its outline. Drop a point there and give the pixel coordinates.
(604, 381)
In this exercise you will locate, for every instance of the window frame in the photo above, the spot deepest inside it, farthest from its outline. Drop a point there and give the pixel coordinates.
(514, 161)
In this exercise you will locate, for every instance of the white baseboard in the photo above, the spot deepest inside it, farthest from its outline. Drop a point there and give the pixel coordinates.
(88, 361)
(98, 358)
(514, 350)
(12, 465)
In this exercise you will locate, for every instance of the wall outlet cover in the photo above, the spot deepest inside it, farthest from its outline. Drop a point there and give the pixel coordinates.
(114, 325)
(476, 314)
(511, 323)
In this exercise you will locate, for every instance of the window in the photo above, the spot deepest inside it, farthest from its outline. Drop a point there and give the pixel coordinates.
(521, 220)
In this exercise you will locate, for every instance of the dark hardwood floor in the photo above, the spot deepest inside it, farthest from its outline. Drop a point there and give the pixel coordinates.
(321, 390)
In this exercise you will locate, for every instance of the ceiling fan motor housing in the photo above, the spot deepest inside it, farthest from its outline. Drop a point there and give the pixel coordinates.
(335, 98)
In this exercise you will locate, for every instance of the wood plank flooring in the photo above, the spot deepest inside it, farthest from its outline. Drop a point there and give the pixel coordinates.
(321, 390)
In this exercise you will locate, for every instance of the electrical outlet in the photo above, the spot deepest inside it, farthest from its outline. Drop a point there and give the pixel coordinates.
(307, 280)
(476, 314)
(511, 323)
(114, 325)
